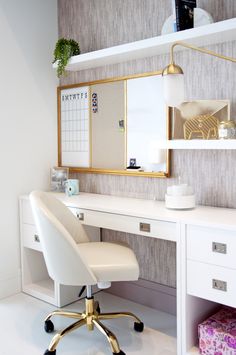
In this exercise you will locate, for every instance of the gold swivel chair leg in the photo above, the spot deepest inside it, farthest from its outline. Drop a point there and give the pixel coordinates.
(55, 340)
(90, 317)
(138, 324)
(48, 324)
(110, 337)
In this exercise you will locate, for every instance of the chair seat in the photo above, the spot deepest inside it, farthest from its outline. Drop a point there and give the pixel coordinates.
(110, 261)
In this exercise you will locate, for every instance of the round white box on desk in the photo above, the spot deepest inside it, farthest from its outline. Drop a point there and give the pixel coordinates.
(180, 202)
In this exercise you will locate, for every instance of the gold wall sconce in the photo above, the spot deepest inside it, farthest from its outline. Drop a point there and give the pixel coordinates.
(173, 77)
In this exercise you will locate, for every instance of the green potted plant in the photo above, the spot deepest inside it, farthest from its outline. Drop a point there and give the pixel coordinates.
(64, 49)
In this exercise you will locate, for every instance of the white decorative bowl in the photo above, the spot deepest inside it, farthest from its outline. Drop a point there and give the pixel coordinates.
(180, 202)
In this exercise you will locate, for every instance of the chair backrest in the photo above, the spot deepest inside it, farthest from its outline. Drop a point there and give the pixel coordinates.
(60, 233)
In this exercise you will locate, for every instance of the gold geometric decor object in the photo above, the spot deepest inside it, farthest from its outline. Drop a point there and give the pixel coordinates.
(201, 127)
(199, 119)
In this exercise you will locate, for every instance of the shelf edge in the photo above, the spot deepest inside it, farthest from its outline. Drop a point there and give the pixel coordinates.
(216, 33)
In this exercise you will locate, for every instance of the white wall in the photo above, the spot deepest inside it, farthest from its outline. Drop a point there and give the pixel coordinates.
(28, 126)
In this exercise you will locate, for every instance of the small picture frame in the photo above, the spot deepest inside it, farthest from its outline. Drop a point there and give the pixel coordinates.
(132, 162)
(59, 175)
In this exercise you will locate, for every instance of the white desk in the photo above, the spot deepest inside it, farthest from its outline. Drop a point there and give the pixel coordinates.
(206, 245)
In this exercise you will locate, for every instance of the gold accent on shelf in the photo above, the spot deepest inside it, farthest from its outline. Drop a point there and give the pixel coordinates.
(203, 126)
(90, 317)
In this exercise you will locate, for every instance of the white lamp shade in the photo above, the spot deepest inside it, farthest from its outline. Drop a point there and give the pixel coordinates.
(173, 89)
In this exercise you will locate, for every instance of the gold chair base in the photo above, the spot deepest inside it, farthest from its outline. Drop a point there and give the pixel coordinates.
(90, 317)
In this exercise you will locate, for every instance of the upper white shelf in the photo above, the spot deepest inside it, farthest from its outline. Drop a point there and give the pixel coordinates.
(198, 144)
(223, 31)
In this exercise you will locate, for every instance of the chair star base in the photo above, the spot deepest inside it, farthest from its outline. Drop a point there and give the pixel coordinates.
(90, 317)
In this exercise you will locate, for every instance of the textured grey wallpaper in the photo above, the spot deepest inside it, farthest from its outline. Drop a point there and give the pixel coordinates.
(99, 24)
(102, 23)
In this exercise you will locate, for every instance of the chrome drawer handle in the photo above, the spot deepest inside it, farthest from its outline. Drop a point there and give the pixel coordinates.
(144, 227)
(36, 238)
(80, 216)
(219, 285)
(219, 248)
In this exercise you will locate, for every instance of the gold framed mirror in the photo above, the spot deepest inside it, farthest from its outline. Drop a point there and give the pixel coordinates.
(113, 126)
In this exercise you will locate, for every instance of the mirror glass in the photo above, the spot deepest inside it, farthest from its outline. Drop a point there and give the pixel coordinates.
(114, 126)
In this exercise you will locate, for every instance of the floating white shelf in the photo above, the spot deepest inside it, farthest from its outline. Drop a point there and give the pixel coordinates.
(223, 31)
(197, 144)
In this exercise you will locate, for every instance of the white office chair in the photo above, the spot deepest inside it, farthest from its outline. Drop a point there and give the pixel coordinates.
(72, 260)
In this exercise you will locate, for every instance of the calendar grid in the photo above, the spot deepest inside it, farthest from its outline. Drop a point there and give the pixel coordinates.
(75, 126)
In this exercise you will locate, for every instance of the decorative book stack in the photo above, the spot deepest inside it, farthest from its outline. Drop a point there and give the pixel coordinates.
(183, 11)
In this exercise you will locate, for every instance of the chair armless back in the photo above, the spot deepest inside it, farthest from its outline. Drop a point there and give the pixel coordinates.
(60, 234)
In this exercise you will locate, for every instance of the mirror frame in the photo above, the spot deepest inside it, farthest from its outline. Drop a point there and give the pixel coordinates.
(161, 174)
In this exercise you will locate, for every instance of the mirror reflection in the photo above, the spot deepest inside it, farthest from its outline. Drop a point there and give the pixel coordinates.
(114, 126)
(146, 123)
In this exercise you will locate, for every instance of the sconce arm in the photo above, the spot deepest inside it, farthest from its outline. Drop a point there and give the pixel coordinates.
(202, 50)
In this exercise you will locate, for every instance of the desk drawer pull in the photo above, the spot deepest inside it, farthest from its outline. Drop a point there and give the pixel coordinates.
(144, 227)
(36, 238)
(80, 216)
(219, 285)
(219, 248)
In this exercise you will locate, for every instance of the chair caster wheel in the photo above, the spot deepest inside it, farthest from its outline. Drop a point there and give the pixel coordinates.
(48, 352)
(48, 327)
(138, 327)
(120, 353)
(97, 307)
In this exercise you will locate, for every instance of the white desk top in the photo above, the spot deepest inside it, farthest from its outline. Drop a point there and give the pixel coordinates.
(201, 215)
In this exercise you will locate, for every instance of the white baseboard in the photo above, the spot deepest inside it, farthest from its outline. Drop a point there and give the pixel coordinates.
(10, 286)
(148, 293)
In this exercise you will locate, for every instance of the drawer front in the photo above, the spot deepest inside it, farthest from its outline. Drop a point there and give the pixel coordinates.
(27, 214)
(211, 282)
(213, 246)
(135, 225)
(30, 237)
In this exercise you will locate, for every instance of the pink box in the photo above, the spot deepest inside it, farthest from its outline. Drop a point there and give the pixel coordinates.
(217, 334)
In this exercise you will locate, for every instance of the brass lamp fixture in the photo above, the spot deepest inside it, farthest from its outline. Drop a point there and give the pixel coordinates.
(174, 78)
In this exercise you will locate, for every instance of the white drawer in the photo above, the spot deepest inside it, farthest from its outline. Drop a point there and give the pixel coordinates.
(30, 237)
(128, 224)
(210, 245)
(201, 278)
(27, 214)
